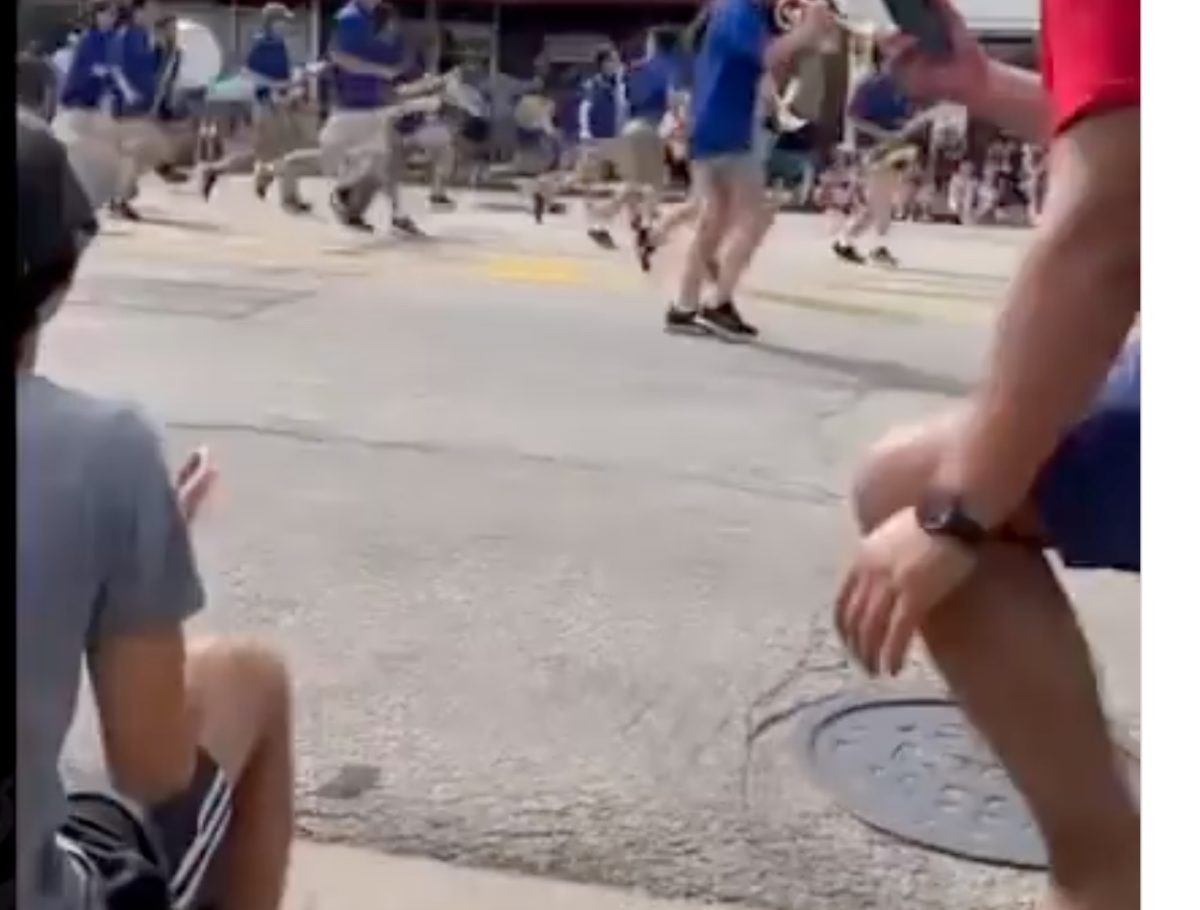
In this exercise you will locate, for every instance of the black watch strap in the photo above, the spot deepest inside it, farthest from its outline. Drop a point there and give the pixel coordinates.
(943, 514)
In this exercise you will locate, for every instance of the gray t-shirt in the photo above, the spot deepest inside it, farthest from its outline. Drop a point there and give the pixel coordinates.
(102, 550)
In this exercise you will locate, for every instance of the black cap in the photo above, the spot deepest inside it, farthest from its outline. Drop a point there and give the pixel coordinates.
(55, 219)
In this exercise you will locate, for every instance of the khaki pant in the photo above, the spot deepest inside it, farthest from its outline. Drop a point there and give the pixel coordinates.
(144, 145)
(642, 155)
(90, 138)
(356, 145)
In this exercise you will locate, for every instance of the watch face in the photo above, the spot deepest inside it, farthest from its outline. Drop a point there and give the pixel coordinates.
(943, 515)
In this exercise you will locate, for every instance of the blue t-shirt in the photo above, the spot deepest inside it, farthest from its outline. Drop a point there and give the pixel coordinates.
(878, 101)
(601, 106)
(727, 74)
(88, 79)
(649, 87)
(135, 59)
(269, 59)
(354, 35)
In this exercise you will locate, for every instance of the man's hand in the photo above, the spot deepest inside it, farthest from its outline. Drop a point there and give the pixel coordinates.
(194, 482)
(962, 77)
(901, 573)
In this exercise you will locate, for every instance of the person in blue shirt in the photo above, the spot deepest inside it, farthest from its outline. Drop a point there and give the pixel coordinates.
(84, 123)
(602, 113)
(651, 85)
(878, 112)
(735, 54)
(356, 141)
(137, 92)
(276, 127)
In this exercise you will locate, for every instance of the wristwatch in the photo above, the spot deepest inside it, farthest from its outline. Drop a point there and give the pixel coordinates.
(943, 514)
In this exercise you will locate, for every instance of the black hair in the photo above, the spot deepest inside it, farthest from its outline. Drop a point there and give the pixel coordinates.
(35, 289)
(665, 39)
(603, 55)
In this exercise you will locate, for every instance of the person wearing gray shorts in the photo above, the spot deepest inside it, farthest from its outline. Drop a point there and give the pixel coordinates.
(728, 163)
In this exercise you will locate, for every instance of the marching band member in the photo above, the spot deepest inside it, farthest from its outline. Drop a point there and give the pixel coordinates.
(601, 114)
(276, 130)
(650, 85)
(84, 122)
(135, 77)
(879, 113)
(726, 152)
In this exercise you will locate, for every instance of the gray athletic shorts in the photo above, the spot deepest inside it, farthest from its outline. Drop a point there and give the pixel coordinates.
(162, 859)
(744, 171)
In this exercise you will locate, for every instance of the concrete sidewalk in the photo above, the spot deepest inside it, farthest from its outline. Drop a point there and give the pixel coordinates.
(328, 877)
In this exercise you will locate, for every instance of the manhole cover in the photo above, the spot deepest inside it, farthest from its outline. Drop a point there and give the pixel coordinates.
(914, 768)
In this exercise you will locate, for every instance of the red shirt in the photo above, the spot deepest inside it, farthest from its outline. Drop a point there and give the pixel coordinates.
(1091, 57)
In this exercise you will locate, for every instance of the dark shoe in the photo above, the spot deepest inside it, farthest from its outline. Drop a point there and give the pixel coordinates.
(727, 322)
(339, 202)
(881, 255)
(171, 174)
(645, 248)
(406, 226)
(539, 207)
(208, 181)
(602, 238)
(442, 201)
(685, 321)
(296, 206)
(847, 253)
(556, 208)
(124, 211)
(262, 183)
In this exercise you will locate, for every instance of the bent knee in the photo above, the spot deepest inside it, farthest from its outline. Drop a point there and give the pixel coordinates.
(895, 471)
(254, 670)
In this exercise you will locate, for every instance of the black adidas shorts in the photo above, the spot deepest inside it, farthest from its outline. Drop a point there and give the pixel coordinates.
(163, 859)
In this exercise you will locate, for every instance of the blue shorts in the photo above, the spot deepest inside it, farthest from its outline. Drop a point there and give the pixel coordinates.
(1089, 496)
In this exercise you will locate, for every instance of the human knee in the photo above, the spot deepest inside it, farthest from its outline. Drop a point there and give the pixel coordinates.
(255, 671)
(893, 473)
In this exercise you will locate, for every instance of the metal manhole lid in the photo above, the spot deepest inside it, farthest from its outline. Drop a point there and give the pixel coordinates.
(914, 768)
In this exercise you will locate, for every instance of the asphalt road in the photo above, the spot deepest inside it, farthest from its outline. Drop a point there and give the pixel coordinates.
(552, 583)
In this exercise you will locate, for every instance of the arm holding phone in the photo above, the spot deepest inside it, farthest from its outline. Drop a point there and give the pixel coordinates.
(1011, 98)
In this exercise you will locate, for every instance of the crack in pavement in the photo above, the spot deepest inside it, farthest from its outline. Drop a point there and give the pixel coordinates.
(808, 493)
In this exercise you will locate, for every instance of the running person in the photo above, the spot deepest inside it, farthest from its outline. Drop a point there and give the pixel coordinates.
(276, 131)
(878, 112)
(602, 112)
(957, 514)
(84, 122)
(143, 145)
(727, 162)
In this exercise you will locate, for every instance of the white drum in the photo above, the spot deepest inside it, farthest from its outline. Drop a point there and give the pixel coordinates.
(200, 53)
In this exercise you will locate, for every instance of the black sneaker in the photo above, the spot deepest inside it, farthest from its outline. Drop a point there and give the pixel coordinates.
(262, 182)
(847, 253)
(556, 208)
(171, 174)
(727, 322)
(339, 202)
(208, 182)
(681, 320)
(645, 248)
(125, 211)
(881, 255)
(296, 206)
(539, 207)
(602, 238)
(441, 201)
(403, 224)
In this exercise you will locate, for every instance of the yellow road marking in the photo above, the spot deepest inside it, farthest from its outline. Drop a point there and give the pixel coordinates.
(535, 269)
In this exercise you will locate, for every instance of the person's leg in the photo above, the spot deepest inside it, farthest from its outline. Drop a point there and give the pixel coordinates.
(1011, 650)
(715, 204)
(751, 218)
(242, 697)
(881, 190)
(288, 170)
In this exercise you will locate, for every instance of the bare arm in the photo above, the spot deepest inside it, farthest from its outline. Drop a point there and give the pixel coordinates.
(149, 731)
(1070, 311)
(817, 24)
(1014, 100)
